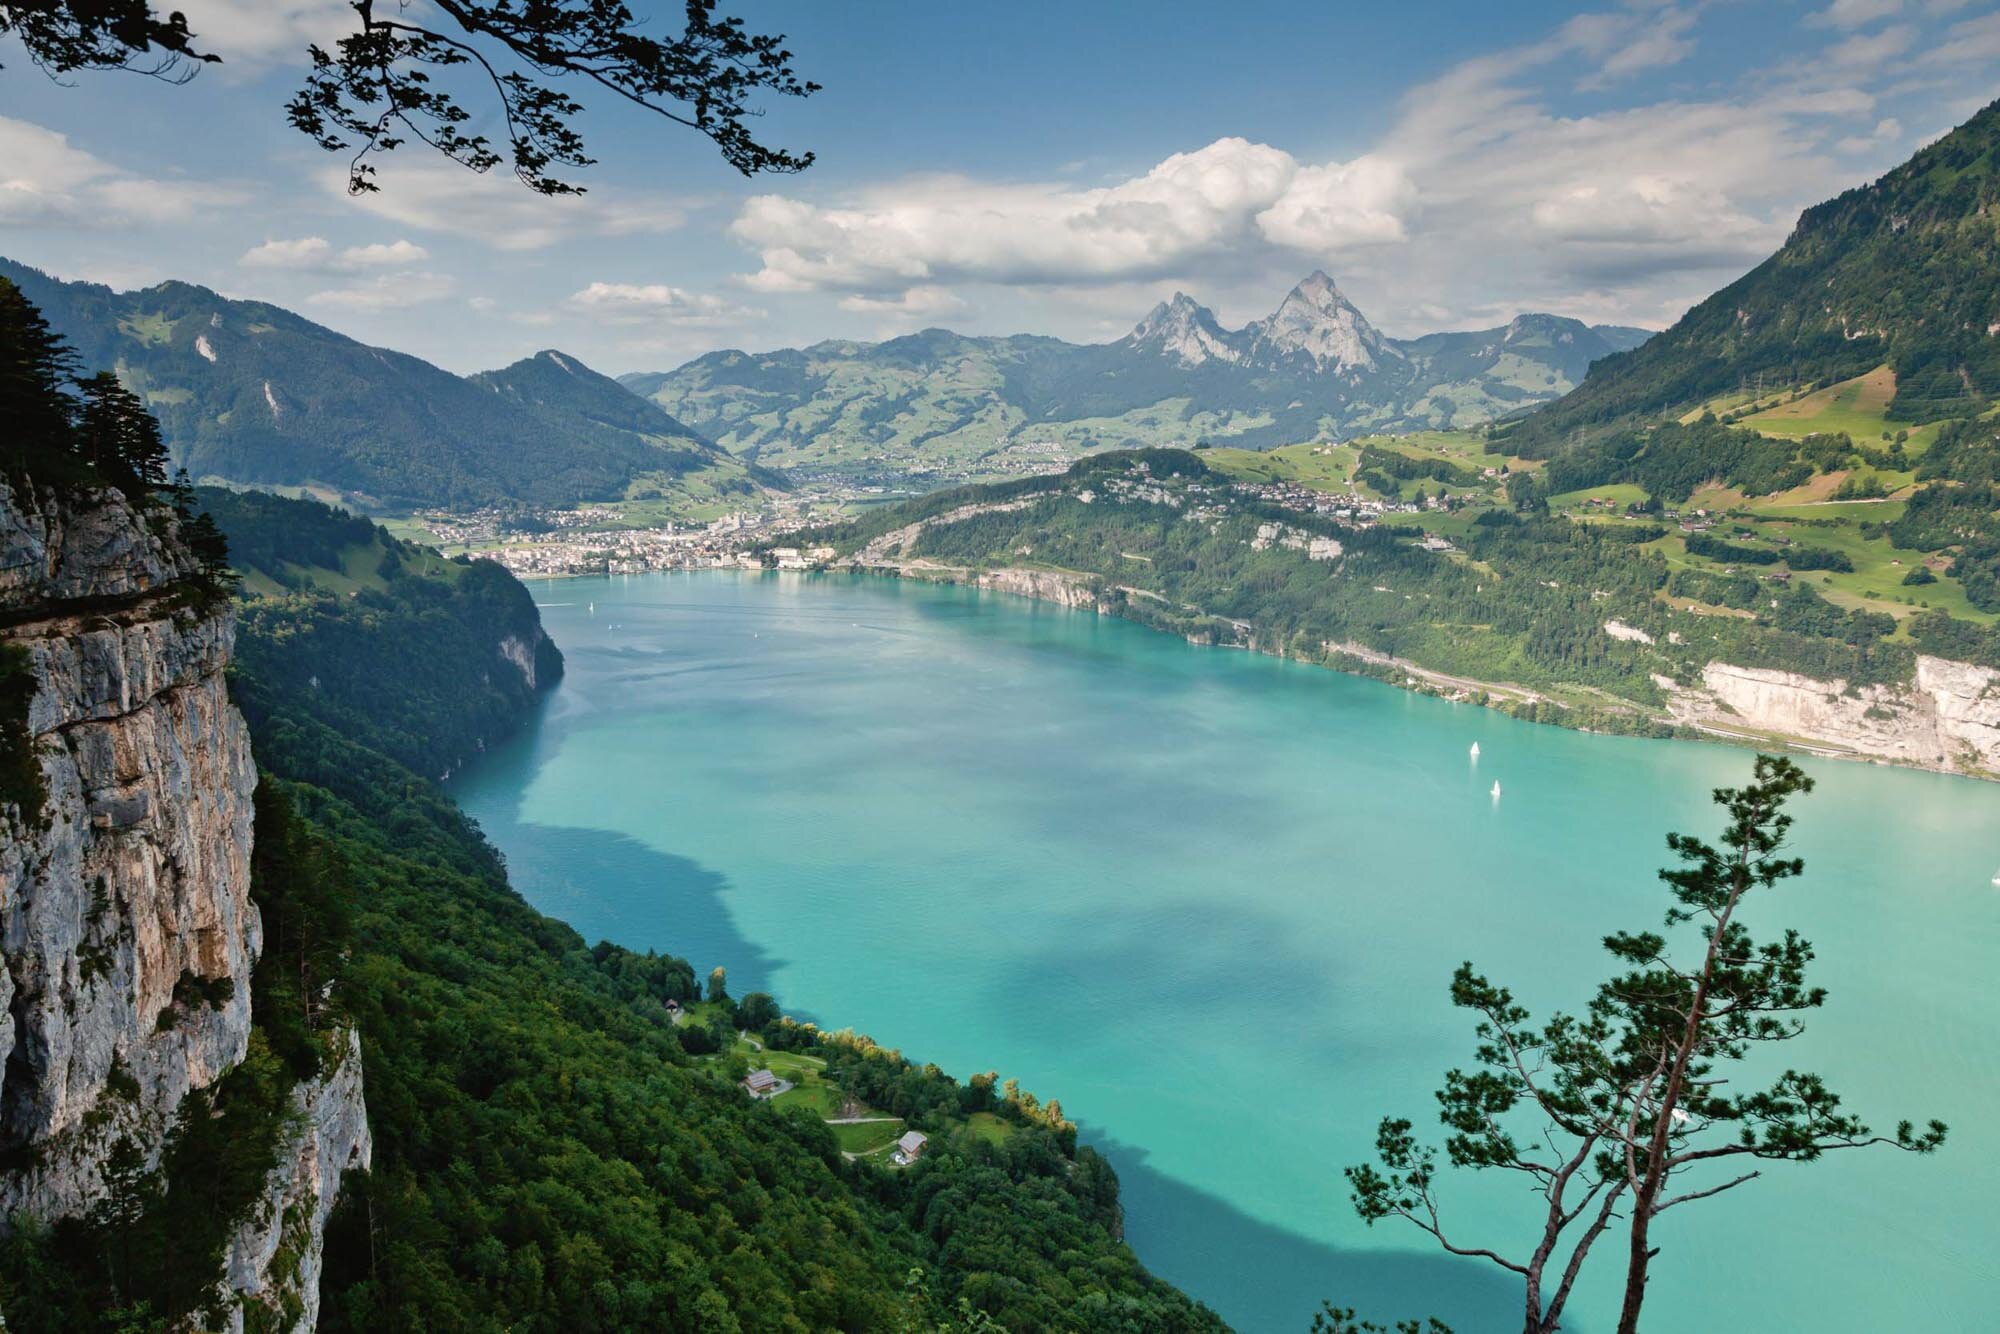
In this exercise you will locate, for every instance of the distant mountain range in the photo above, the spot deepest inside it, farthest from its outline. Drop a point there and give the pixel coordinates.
(1904, 272)
(250, 393)
(945, 403)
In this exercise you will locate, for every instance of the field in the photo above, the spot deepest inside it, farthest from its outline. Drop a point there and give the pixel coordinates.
(360, 568)
(1859, 407)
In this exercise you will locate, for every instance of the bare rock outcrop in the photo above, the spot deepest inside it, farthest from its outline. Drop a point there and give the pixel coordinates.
(1946, 717)
(127, 930)
(274, 1259)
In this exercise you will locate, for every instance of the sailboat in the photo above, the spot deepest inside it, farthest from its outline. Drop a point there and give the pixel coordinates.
(1496, 789)
(1996, 877)
(1475, 750)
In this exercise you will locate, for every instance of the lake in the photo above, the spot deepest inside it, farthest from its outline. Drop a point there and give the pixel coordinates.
(1212, 901)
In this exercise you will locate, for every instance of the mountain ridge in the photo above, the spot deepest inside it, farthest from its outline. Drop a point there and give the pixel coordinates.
(958, 406)
(251, 393)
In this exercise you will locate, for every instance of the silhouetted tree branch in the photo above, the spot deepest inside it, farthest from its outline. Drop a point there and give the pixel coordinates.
(379, 86)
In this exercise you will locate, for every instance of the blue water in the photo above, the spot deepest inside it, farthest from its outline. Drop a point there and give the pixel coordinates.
(1211, 902)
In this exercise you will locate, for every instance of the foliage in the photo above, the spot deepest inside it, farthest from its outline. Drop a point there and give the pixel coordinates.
(1607, 1111)
(376, 87)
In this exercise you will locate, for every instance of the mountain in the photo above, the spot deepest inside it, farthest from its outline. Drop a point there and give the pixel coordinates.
(1903, 272)
(946, 405)
(253, 394)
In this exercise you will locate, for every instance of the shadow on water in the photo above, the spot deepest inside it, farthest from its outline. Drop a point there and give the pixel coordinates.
(586, 877)
(1264, 1279)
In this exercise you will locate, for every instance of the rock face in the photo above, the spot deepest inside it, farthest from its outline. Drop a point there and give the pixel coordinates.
(126, 922)
(274, 1259)
(125, 908)
(1065, 590)
(1947, 718)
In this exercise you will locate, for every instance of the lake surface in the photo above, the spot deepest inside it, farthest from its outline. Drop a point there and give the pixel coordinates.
(1211, 901)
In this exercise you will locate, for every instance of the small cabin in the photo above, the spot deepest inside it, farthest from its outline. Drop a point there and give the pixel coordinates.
(911, 1146)
(761, 1083)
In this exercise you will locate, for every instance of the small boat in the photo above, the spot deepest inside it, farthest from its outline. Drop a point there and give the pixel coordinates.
(593, 609)
(1475, 750)
(1996, 877)
(1496, 789)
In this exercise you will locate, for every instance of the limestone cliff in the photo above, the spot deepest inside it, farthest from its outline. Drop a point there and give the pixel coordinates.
(126, 922)
(125, 911)
(273, 1265)
(1947, 717)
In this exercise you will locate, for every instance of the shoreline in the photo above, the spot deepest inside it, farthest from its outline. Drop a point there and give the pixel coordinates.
(1082, 592)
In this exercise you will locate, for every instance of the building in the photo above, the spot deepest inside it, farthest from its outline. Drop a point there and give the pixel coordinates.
(911, 1147)
(762, 1084)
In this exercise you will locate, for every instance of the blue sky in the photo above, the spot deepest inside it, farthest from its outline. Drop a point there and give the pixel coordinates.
(1030, 168)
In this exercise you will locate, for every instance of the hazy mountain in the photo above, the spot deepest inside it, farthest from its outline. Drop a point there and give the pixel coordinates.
(944, 403)
(253, 394)
(1904, 271)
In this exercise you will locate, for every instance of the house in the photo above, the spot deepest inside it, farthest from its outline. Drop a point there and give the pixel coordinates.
(911, 1147)
(761, 1083)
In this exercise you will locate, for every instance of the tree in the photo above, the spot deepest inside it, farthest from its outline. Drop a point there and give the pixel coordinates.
(120, 437)
(1621, 1102)
(379, 86)
(756, 1011)
(718, 985)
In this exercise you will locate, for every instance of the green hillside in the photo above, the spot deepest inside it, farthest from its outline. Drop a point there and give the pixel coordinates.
(252, 394)
(1903, 273)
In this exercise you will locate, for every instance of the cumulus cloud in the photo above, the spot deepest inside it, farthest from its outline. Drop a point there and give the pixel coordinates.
(315, 254)
(946, 229)
(493, 208)
(655, 303)
(47, 181)
(387, 291)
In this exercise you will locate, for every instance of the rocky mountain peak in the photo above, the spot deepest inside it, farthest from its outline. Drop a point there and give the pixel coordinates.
(1186, 330)
(1317, 322)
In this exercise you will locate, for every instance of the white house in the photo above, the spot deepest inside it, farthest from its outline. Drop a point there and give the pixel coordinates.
(911, 1147)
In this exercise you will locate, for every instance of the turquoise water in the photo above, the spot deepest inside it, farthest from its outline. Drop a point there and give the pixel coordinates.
(1211, 901)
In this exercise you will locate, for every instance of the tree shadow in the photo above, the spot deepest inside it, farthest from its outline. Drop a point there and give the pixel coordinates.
(1264, 1279)
(608, 886)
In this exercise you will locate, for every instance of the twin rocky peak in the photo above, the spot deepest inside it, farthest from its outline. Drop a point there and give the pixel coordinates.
(1315, 328)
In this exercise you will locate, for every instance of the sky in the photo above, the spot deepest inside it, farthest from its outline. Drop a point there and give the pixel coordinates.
(1026, 168)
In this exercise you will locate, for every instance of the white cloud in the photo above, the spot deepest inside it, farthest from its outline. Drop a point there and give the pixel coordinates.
(315, 254)
(387, 291)
(1972, 40)
(656, 303)
(1866, 51)
(1853, 13)
(945, 229)
(919, 303)
(1886, 131)
(1341, 204)
(47, 181)
(252, 32)
(494, 208)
